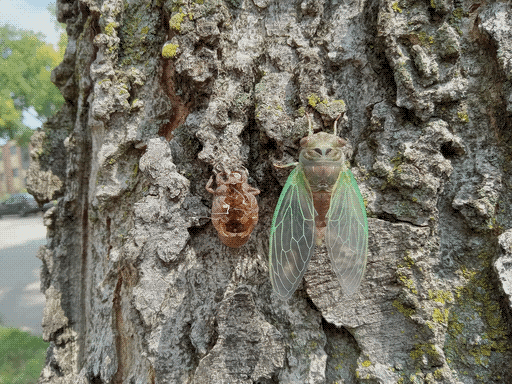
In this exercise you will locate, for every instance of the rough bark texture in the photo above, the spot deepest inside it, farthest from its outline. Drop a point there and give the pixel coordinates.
(162, 93)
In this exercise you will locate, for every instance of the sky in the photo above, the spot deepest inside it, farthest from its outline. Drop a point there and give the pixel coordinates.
(31, 15)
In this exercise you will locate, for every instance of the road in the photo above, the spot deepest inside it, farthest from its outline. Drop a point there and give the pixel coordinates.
(21, 302)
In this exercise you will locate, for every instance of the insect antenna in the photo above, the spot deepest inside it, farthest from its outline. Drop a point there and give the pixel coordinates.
(241, 194)
(310, 125)
(336, 124)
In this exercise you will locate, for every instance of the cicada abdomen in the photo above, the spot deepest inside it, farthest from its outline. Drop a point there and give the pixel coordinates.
(320, 200)
(234, 208)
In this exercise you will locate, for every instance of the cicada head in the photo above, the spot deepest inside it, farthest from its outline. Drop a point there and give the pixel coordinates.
(231, 178)
(322, 140)
(322, 159)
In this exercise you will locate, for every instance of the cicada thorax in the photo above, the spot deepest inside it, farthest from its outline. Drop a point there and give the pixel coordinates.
(322, 161)
(234, 207)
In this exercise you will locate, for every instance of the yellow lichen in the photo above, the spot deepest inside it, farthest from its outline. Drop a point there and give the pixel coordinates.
(425, 39)
(408, 312)
(396, 8)
(397, 160)
(423, 349)
(455, 327)
(340, 102)
(477, 301)
(313, 100)
(408, 259)
(440, 296)
(109, 28)
(366, 363)
(169, 50)
(438, 374)
(440, 316)
(176, 20)
(458, 13)
(407, 282)
(463, 116)
(466, 273)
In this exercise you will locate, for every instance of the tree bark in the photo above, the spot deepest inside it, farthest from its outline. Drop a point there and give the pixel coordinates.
(160, 95)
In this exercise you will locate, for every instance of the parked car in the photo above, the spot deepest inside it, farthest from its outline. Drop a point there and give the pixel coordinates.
(22, 204)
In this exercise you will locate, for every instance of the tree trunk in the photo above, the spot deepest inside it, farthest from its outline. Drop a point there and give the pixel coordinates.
(161, 95)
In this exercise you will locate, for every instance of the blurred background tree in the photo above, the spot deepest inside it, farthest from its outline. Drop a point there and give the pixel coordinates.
(26, 62)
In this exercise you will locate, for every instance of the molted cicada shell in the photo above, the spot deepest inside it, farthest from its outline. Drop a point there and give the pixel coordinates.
(234, 209)
(320, 200)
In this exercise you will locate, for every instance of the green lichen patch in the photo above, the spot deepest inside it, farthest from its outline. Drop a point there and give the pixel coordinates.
(327, 107)
(477, 333)
(138, 35)
(396, 7)
(342, 356)
(448, 41)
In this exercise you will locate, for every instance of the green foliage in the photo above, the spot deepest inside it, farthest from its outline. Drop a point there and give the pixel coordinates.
(22, 356)
(26, 62)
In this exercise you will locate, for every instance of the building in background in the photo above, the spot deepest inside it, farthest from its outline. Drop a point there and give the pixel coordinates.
(14, 163)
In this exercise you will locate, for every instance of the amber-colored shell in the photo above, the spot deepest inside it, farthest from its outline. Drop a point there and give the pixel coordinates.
(234, 208)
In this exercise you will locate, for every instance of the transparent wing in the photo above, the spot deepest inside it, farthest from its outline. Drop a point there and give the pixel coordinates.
(346, 235)
(292, 236)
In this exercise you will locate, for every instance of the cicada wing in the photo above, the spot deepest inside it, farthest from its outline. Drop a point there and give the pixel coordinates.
(292, 236)
(346, 235)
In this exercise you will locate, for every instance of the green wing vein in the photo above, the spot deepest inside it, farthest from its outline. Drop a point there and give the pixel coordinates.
(292, 235)
(346, 234)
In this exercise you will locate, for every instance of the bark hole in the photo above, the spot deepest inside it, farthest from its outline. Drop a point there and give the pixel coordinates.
(342, 354)
(449, 151)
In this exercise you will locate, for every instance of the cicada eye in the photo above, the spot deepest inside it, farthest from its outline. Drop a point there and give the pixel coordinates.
(304, 141)
(334, 154)
(313, 153)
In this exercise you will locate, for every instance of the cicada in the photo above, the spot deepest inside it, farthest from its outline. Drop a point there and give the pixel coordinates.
(234, 208)
(319, 202)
